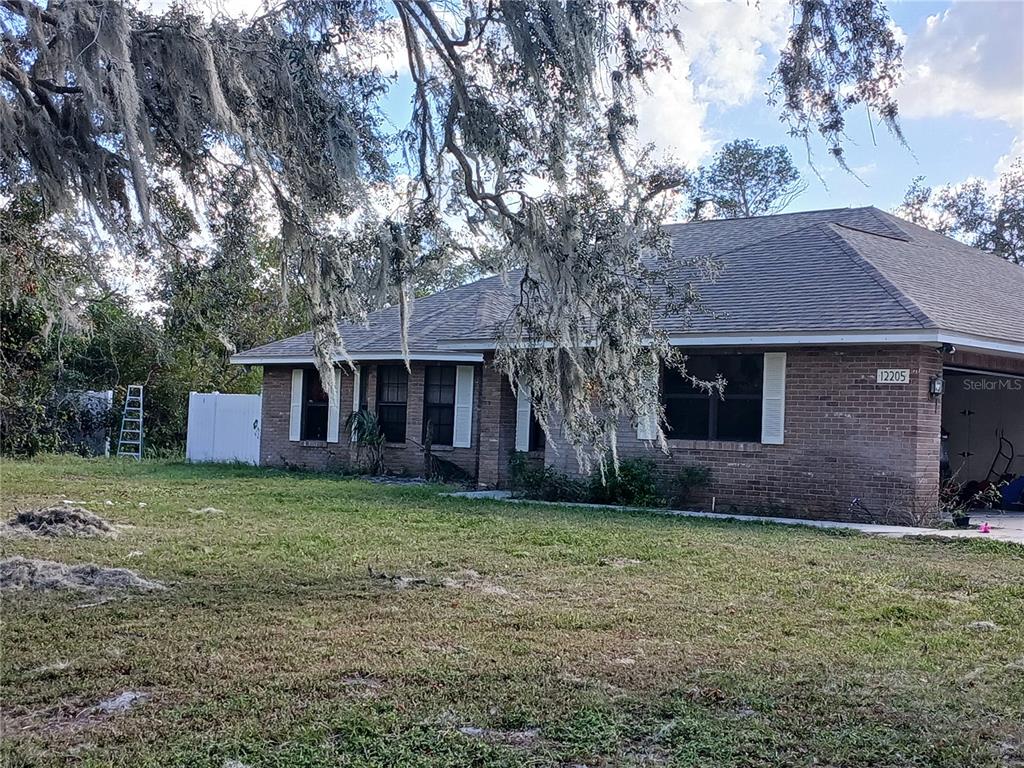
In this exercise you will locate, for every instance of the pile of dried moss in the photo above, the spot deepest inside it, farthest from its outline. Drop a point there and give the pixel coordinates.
(59, 521)
(19, 573)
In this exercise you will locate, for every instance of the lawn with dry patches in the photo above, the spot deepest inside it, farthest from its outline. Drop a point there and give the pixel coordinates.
(320, 621)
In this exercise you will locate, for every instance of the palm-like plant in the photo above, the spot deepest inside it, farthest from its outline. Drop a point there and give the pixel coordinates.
(369, 439)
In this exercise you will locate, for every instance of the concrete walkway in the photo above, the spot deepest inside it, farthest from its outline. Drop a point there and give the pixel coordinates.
(1005, 527)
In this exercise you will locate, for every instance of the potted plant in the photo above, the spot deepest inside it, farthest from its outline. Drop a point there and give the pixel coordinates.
(961, 518)
(954, 502)
(959, 499)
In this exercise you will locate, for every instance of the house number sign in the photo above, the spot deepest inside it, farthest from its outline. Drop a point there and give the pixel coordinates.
(893, 376)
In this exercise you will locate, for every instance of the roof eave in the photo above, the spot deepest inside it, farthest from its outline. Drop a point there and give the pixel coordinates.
(357, 357)
(929, 336)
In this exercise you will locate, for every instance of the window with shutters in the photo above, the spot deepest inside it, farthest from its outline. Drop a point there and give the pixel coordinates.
(314, 407)
(392, 394)
(692, 414)
(439, 404)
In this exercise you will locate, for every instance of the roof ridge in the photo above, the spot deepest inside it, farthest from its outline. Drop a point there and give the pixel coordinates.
(767, 216)
(416, 301)
(897, 221)
(483, 305)
(906, 303)
(902, 237)
(776, 236)
(484, 279)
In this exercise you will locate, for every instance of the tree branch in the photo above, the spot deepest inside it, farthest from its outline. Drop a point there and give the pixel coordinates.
(28, 10)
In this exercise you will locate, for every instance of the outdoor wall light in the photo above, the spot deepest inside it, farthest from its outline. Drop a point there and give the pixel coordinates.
(936, 386)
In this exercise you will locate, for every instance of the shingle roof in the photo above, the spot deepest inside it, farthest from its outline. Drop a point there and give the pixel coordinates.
(468, 311)
(841, 270)
(961, 289)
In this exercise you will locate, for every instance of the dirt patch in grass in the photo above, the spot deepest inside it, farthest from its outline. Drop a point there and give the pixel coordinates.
(363, 686)
(121, 703)
(471, 580)
(522, 739)
(467, 579)
(19, 573)
(983, 626)
(618, 562)
(398, 580)
(59, 521)
(69, 717)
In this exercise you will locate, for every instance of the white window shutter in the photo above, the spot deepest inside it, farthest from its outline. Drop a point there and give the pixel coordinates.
(524, 409)
(356, 384)
(295, 419)
(463, 427)
(334, 410)
(773, 399)
(647, 424)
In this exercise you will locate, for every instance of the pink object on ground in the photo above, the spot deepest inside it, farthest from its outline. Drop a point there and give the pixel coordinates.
(985, 528)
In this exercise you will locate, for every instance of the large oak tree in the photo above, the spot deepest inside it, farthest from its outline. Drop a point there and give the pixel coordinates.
(521, 132)
(991, 219)
(746, 179)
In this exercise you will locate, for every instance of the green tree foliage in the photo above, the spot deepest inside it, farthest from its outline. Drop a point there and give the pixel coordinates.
(522, 113)
(746, 179)
(992, 220)
(44, 285)
(206, 305)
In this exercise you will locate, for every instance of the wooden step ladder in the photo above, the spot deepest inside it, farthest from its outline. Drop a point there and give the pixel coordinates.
(129, 444)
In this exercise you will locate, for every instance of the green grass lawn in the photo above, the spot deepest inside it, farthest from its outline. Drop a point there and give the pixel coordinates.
(601, 638)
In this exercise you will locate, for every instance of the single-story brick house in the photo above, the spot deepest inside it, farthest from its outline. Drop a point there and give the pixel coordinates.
(836, 331)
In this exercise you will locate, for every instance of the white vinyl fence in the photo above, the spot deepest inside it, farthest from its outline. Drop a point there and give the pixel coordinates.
(223, 427)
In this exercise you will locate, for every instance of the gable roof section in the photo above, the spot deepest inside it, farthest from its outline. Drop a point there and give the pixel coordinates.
(812, 275)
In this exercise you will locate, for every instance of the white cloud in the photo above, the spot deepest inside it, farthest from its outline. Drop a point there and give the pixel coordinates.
(727, 47)
(967, 60)
(731, 44)
(672, 118)
(1016, 152)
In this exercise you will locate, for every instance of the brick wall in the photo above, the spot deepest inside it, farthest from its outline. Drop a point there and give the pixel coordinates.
(407, 458)
(497, 428)
(846, 437)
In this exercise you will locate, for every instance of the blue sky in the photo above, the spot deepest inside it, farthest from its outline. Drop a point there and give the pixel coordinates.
(962, 98)
(949, 142)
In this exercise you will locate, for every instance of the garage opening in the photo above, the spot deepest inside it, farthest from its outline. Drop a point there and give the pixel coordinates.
(983, 433)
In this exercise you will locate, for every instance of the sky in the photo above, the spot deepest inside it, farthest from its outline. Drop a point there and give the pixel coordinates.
(961, 100)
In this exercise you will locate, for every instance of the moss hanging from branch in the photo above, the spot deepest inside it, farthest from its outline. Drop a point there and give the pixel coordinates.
(522, 127)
